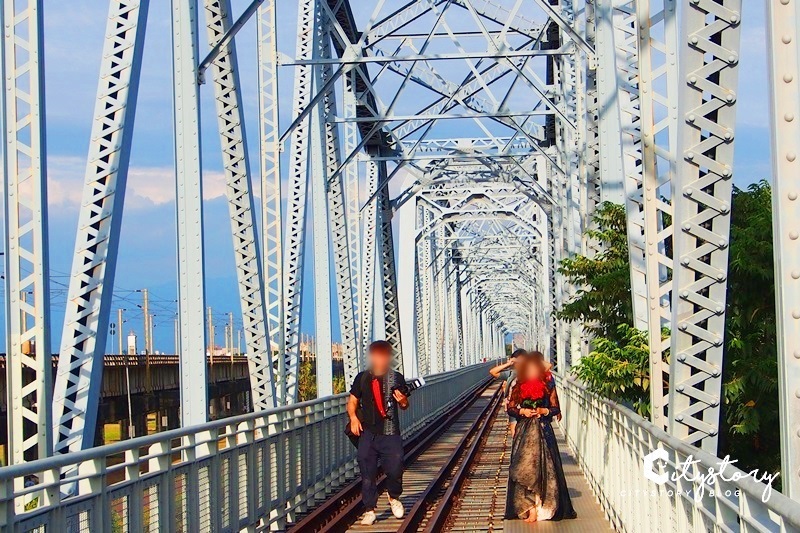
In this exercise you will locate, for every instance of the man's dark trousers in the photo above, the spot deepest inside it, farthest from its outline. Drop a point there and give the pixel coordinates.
(389, 450)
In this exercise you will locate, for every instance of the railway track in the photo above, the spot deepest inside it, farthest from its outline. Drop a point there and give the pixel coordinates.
(432, 460)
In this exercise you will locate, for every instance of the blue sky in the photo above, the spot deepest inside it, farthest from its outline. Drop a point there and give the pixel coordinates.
(74, 33)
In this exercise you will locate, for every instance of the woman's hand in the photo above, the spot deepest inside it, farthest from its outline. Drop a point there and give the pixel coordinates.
(527, 413)
(542, 411)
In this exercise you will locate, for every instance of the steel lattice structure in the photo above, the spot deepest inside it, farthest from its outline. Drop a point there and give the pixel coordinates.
(440, 159)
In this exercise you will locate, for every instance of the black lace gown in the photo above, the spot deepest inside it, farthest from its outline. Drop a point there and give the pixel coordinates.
(536, 475)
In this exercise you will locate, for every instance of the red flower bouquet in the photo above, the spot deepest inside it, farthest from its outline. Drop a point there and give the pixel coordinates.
(532, 394)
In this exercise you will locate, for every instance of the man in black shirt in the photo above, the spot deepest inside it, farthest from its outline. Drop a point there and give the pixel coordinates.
(374, 405)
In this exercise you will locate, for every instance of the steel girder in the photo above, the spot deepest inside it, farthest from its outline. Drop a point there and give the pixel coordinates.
(785, 98)
(708, 59)
(189, 212)
(271, 190)
(308, 12)
(658, 88)
(241, 207)
(27, 298)
(83, 340)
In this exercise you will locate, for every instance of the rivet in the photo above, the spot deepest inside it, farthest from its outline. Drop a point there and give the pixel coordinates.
(687, 227)
(692, 80)
(797, 393)
(722, 243)
(793, 235)
(694, 40)
(796, 314)
(786, 39)
(680, 388)
(788, 117)
(791, 156)
(679, 418)
(685, 294)
(797, 354)
(688, 192)
(685, 261)
(730, 98)
(788, 78)
(795, 274)
(689, 155)
(792, 196)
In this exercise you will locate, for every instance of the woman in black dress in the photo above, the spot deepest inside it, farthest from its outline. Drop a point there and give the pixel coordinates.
(537, 489)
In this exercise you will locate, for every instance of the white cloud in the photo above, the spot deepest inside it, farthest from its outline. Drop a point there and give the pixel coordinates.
(147, 186)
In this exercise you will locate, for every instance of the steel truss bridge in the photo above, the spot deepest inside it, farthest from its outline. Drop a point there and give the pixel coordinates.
(440, 158)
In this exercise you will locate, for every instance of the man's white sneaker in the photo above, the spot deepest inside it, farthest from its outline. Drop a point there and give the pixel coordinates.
(397, 508)
(369, 518)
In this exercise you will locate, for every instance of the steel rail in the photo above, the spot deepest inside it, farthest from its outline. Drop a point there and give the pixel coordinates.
(342, 508)
(418, 513)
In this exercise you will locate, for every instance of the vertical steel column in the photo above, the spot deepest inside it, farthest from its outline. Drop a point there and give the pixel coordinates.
(322, 146)
(189, 197)
(24, 187)
(388, 274)
(353, 219)
(658, 89)
(271, 190)
(610, 136)
(307, 39)
(368, 261)
(785, 100)
(340, 229)
(241, 207)
(77, 382)
(709, 57)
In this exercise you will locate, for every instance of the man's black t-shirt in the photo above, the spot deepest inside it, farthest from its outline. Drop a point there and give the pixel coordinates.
(369, 414)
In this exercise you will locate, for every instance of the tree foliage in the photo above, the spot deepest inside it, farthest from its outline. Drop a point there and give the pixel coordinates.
(619, 369)
(618, 365)
(603, 300)
(750, 372)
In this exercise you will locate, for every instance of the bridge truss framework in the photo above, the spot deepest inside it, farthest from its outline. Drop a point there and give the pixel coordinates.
(442, 156)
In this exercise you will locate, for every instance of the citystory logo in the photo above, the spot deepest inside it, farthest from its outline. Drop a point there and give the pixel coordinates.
(691, 471)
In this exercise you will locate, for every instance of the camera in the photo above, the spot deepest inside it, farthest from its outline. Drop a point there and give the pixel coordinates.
(410, 386)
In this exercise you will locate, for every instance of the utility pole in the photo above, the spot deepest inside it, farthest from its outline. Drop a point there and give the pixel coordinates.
(177, 338)
(148, 348)
(230, 335)
(210, 321)
(120, 331)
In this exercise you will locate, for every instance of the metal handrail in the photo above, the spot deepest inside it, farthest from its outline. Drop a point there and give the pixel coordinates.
(249, 471)
(611, 441)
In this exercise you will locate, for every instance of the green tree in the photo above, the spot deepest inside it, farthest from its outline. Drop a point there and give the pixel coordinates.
(307, 381)
(603, 301)
(619, 369)
(750, 411)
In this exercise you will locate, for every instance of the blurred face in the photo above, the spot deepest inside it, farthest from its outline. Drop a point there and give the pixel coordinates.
(379, 361)
(531, 370)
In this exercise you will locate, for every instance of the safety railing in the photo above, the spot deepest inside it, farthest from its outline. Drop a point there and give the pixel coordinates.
(252, 472)
(615, 447)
